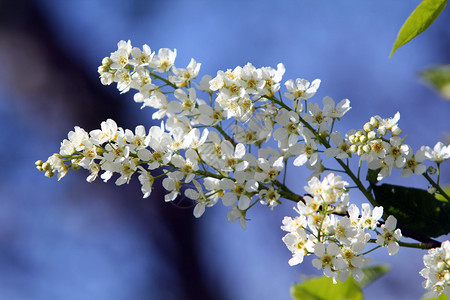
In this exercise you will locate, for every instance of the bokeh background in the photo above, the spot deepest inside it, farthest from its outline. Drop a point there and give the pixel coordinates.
(74, 240)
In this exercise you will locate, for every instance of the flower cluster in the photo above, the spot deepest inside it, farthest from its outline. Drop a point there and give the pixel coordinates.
(380, 145)
(437, 271)
(234, 148)
(338, 242)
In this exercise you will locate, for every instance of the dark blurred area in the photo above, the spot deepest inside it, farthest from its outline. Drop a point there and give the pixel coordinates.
(74, 240)
(52, 91)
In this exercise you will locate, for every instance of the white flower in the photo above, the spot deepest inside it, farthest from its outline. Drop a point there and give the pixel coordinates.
(299, 244)
(238, 190)
(232, 157)
(184, 76)
(186, 166)
(217, 82)
(301, 89)
(292, 224)
(202, 200)
(107, 133)
(269, 169)
(390, 236)
(342, 149)
(146, 180)
(159, 101)
(141, 81)
(178, 140)
(269, 197)
(437, 271)
(370, 219)
(377, 149)
(272, 78)
(164, 60)
(388, 124)
(195, 140)
(93, 168)
(236, 214)
(397, 153)
(172, 183)
(75, 141)
(257, 131)
(355, 262)
(137, 139)
(209, 116)
(438, 154)
(335, 111)
(252, 79)
(289, 121)
(344, 231)
(204, 84)
(89, 154)
(141, 57)
(126, 169)
(187, 101)
(309, 205)
(328, 259)
(56, 163)
(307, 151)
(123, 79)
(120, 57)
(413, 164)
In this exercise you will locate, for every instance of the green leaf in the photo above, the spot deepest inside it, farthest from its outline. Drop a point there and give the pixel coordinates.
(322, 288)
(419, 20)
(372, 274)
(415, 209)
(439, 78)
(446, 190)
(441, 297)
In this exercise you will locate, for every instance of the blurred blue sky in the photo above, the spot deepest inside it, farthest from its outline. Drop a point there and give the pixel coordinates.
(65, 241)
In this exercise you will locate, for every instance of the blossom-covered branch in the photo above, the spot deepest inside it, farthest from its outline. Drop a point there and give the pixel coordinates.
(233, 147)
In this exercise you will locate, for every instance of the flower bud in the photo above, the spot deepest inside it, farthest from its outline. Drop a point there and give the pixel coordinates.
(372, 135)
(353, 148)
(431, 170)
(366, 148)
(106, 61)
(324, 134)
(382, 130)
(75, 166)
(363, 138)
(431, 190)
(360, 150)
(374, 122)
(46, 166)
(49, 173)
(440, 266)
(102, 69)
(395, 130)
(368, 127)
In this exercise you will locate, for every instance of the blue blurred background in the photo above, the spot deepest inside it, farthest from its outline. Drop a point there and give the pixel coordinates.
(74, 240)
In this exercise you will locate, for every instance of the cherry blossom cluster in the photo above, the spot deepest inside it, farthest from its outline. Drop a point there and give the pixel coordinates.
(437, 271)
(380, 145)
(336, 232)
(234, 147)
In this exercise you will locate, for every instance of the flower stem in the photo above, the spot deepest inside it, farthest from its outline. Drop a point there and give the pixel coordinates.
(437, 187)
